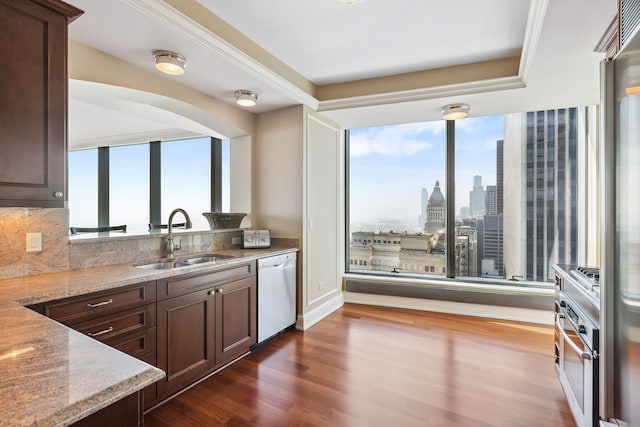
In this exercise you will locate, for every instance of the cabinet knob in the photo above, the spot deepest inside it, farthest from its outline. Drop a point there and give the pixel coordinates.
(58, 194)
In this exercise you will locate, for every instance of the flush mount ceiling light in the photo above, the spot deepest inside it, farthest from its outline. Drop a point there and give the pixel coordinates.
(350, 1)
(455, 111)
(169, 62)
(246, 98)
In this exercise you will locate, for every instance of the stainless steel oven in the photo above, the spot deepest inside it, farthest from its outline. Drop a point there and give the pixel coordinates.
(576, 355)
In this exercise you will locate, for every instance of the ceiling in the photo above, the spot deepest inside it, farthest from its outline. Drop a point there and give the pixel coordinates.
(370, 63)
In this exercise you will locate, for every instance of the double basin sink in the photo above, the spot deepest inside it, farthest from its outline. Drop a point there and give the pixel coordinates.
(167, 264)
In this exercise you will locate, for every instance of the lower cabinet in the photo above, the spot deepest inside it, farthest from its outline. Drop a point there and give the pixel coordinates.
(187, 325)
(203, 330)
(123, 413)
(236, 325)
(186, 339)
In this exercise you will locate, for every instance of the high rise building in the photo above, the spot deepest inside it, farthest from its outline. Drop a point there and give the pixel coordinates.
(540, 176)
(436, 211)
(490, 246)
(499, 175)
(490, 200)
(476, 197)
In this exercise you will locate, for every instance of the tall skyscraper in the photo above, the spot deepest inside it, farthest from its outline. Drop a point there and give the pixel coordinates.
(541, 177)
(499, 175)
(476, 197)
(436, 211)
(490, 200)
(490, 246)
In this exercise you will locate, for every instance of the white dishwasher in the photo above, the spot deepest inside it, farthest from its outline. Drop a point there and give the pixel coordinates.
(276, 294)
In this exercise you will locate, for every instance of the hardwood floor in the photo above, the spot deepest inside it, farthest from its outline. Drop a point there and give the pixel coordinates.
(374, 366)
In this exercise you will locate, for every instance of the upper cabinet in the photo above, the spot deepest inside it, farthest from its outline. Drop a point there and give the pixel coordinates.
(33, 100)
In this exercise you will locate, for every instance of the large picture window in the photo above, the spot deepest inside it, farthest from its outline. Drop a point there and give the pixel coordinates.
(516, 192)
(138, 185)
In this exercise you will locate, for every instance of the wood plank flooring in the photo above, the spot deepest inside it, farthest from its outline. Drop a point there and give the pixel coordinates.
(374, 366)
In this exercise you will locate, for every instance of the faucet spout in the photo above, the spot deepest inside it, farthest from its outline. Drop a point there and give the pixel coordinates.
(171, 247)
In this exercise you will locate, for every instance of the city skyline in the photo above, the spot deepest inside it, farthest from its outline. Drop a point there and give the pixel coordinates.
(389, 166)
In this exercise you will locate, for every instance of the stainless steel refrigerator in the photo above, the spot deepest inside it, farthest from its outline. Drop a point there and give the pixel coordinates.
(621, 236)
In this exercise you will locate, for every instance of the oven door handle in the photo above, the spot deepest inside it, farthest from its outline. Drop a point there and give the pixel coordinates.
(586, 355)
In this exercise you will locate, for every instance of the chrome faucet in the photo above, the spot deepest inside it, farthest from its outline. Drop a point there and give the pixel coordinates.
(170, 246)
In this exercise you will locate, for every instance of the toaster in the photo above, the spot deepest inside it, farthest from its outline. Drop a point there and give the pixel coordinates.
(256, 239)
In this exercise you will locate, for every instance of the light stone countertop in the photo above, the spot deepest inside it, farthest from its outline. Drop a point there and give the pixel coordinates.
(51, 375)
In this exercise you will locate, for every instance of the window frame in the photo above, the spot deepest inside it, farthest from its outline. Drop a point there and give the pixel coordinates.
(580, 233)
(155, 177)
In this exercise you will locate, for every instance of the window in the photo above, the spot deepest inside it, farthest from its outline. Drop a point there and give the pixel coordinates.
(516, 193)
(183, 177)
(186, 183)
(129, 186)
(389, 168)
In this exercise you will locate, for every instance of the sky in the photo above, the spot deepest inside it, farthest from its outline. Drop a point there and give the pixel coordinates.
(185, 183)
(389, 165)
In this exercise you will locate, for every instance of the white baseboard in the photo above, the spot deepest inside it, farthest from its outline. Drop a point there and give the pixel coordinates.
(307, 320)
(481, 310)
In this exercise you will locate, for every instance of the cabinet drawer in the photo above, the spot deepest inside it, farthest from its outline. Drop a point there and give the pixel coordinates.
(141, 344)
(115, 325)
(181, 285)
(76, 309)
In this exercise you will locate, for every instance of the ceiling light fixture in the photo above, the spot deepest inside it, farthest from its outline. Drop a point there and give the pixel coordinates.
(246, 98)
(169, 62)
(455, 111)
(350, 1)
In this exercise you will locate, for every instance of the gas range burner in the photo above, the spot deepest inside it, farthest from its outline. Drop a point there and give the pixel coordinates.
(592, 273)
(589, 278)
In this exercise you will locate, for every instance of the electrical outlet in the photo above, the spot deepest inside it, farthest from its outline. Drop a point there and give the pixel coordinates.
(34, 242)
(320, 286)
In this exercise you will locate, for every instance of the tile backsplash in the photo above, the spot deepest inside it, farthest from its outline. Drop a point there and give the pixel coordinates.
(60, 254)
(15, 223)
(85, 253)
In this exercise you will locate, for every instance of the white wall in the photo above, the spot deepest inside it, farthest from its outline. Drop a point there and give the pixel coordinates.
(277, 172)
(323, 210)
(241, 159)
(297, 194)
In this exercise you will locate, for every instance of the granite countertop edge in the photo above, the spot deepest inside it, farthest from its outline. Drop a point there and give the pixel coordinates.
(92, 404)
(29, 290)
(37, 289)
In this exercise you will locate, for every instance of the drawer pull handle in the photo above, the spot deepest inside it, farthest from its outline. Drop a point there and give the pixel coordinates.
(97, 334)
(99, 304)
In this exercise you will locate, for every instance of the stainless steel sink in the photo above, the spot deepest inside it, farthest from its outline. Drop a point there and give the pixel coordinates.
(163, 265)
(182, 262)
(207, 258)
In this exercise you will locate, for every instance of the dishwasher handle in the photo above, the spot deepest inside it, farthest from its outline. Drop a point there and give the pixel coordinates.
(277, 261)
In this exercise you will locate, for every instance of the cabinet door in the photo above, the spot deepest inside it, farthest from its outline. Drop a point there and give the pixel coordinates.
(33, 95)
(186, 339)
(235, 319)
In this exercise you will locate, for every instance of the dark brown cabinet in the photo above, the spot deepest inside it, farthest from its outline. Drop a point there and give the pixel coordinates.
(33, 95)
(186, 340)
(123, 318)
(235, 319)
(188, 325)
(210, 325)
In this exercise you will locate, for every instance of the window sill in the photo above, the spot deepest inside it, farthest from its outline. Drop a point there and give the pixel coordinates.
(528, 295)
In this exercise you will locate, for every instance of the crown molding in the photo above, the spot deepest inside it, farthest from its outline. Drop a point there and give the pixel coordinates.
(532, 32)
(503, 83)
(182, 24)
(189, 28)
